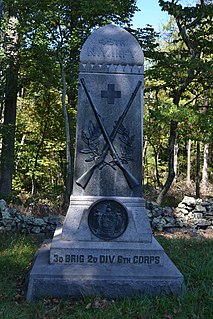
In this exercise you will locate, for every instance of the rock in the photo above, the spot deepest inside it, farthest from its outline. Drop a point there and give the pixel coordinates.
(55, 220)
(158, 223)
(8, 228)
(39, 222)
(189, 201)
(181, 205)
(178, 214)
(159, 227)
(190, 215)
(2, 229)
(6, 214)
(168, 211)
(209, 217)
(169, 219)
(50, 229)
(184, 211)
(153, 205)
(205, 203)
(197, 215)
(149, 213)
(203, 223)
(3, 204)
(156, 212)
(198, 201)
(200, 208)
(179, 223)
(36, 230)
(210, 209)
(169, 226)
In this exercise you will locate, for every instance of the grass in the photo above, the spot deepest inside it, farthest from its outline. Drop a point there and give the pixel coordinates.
(193, 257)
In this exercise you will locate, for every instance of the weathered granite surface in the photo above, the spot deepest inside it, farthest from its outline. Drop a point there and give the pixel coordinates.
(104, 46)
(111, 280)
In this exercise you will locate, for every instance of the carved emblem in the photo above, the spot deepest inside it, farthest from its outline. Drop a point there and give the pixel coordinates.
(91, 139)
(126, 144)
(107, 219)
(111, 94)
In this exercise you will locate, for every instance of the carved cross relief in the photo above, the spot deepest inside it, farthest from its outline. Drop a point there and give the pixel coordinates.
(111, 94)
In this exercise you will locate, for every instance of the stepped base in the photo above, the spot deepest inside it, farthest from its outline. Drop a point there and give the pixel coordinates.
(78, 262)
(141, 273)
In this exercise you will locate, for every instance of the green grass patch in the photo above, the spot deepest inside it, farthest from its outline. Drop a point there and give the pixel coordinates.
(193, 257)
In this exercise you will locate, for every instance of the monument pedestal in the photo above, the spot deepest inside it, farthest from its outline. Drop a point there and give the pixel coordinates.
(111, 272)
(84, 265)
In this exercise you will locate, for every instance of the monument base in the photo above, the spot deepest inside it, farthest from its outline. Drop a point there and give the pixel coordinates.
(106, 269)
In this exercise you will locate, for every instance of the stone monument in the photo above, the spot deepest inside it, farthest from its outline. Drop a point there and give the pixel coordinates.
(105, 246)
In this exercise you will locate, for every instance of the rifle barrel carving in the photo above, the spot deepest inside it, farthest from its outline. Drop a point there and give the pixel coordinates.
(131, 180)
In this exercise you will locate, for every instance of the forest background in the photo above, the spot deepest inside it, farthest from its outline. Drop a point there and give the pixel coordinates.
(40, 43)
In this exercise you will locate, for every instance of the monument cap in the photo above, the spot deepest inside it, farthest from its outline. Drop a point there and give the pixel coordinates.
(111, 45)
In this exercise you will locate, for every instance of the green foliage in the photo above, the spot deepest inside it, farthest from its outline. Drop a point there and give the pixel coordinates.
(40, 144)
(178, 84)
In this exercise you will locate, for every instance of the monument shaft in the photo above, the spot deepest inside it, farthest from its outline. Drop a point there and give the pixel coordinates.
(122, 157)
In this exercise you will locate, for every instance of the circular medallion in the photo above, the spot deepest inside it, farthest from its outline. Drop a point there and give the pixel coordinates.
(107, 219)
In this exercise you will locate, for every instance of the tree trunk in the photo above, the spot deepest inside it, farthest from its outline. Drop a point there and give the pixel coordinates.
(198, 171)
(19, 151)
(1, 69)
(10, 102)
(143, 160)
(67, 130)
(188, 177)
(8, 140)
(33, 178)
(175, 161)
(71, 95)
(171, 172)
(1, 9)
(156, 154)
(205, 167)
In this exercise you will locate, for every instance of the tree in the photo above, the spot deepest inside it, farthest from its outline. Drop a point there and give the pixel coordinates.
(184, 56)
(205, 166)
(10, 48)
(188, 178)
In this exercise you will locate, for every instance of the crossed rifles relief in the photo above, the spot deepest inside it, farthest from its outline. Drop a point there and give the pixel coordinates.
(131, 180)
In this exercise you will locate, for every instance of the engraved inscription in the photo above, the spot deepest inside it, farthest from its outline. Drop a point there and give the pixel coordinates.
(111, 41)
(106, 259)
(109, 48)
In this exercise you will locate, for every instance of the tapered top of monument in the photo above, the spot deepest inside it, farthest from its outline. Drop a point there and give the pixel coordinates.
(111, 45)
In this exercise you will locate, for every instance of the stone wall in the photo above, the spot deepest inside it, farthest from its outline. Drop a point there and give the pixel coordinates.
(191, 212)
(12, 220)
